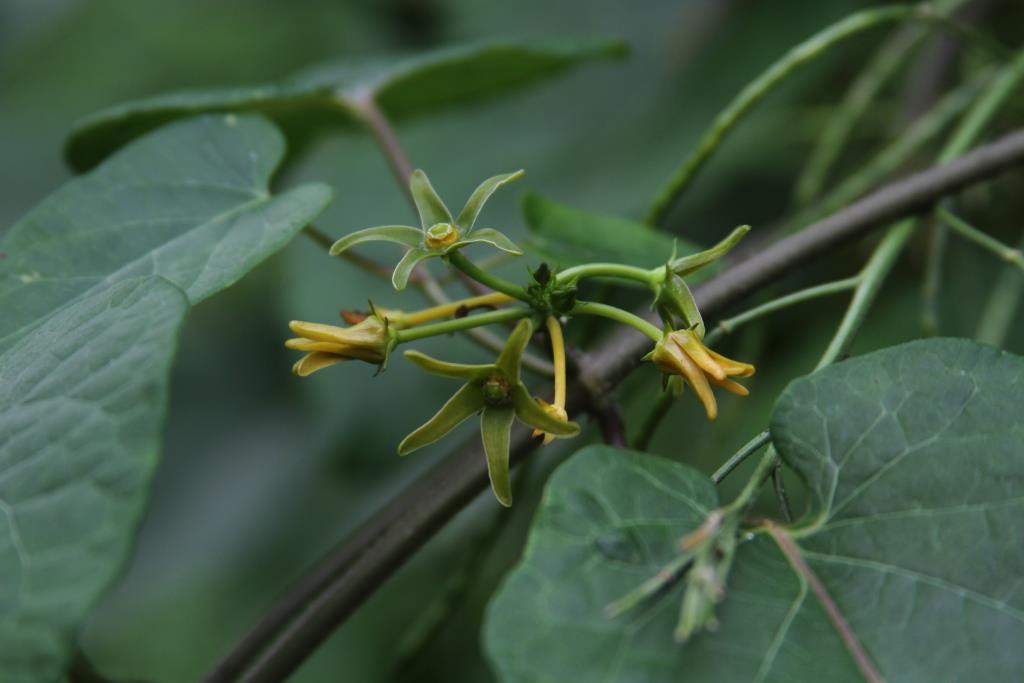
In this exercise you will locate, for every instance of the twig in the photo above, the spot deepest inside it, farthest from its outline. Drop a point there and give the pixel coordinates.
(310, 611)
(385, 136)
(792, 553)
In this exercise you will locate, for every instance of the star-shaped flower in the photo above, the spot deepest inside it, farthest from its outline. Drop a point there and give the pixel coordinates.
(499, 395)
(439, 233)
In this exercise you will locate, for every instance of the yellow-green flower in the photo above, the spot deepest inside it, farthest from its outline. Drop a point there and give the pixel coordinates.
(439, 233)
(496, 392)
(683, 353)
(326, 345)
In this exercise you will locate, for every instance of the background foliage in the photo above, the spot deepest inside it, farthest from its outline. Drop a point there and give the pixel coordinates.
(272, 471)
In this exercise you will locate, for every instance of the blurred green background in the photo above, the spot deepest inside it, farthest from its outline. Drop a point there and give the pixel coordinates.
(263, 473)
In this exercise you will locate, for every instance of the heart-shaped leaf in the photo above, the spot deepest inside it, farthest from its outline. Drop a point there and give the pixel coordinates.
(190, 203)
(914, 458)
(330, 96)
(94, 285)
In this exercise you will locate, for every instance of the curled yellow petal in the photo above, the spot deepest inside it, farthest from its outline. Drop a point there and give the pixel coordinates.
(312, 362)
(734, 387)
(733, 368)
(700, 354)
(554, 411)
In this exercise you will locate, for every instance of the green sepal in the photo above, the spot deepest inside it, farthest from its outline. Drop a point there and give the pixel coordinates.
(468, 215)
(511, 356)
(674, 298)
(429, 205)
(463, 371)
(402, 272)
(531, 413)
(495, 429)
(489, 236)
(690, 264)
(402, 234)
(464, 403)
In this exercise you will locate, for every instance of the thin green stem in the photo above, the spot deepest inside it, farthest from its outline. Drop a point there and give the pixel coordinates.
(650, 425)
(969, 232)
(845, 117)
(730, 324)
(738, 458)
(763, 471)
(871, 279)
(618, 315)
(461, 324)
(1004, 85)
(483, 277)
(611, 270)
(756, 90)
(884, 256)
(895, 155)
(1002, 306)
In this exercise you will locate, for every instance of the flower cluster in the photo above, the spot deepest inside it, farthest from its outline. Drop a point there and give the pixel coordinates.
(496, 391)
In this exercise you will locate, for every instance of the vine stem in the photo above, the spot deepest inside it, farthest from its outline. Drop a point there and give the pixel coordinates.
(869, 282)
(461, 324)
(729, 325)
(741, 455)
(1005, 253)
(896, 154)
(496, 283)
(756, 90)
(618, 315)
(613, 270)
(796, 560)
(1004, 85)
(310, 610)
(885, 254)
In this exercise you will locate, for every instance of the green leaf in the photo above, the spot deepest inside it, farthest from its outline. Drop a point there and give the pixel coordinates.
(913, 456)
(189, 203)
(464, 403)
(82, 400)
(470, 212)
(568, 236)
(330, 96)
(495, 430)
(429, 205)
(400, 234)
(94, 286)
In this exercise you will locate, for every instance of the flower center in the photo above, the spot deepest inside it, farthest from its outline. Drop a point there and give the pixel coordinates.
(497, 391)
(441, 235)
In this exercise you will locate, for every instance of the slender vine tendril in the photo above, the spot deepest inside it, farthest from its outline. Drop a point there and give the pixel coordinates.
(777, 73)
